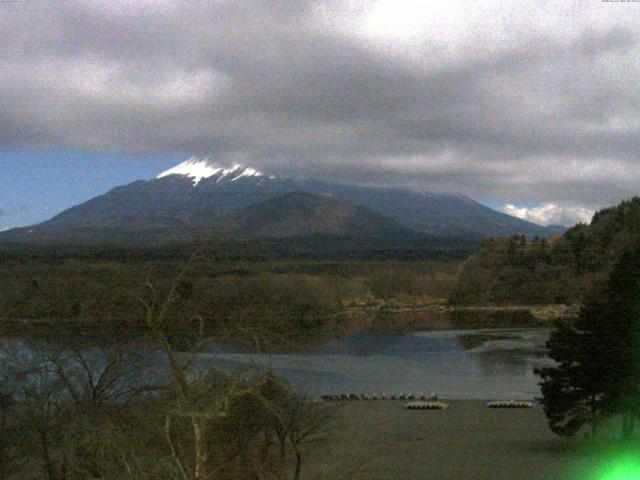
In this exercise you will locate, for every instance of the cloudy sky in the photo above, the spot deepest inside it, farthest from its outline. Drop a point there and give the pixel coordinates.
(527, 106)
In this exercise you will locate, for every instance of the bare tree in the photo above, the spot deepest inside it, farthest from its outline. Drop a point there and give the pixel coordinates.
(66, 398)
(204, 397)
(38, 394)
(197, 398)
(8, 434)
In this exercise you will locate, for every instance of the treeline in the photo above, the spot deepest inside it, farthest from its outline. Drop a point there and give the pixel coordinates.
(291, 300)
(516, 270)
(302, 249)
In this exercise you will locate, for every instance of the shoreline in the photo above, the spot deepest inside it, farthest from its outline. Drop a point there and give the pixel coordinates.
(442, 317)
(393, 321)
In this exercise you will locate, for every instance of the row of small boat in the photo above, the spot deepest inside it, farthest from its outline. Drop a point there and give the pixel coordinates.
(375, 396)
(421, 405)
(509, 404)
(435, 405)
(420, 401)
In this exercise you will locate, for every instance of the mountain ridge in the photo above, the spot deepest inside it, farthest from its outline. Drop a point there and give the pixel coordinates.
(194, 195)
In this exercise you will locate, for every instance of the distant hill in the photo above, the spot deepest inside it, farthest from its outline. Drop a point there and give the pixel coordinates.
(299, 214)
(436, 214)
(514, 270)
(187, 200)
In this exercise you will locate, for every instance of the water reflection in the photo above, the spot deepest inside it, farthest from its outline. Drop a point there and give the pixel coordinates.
(496, 364)
(380, 343)
(502, 363)
(456, 364)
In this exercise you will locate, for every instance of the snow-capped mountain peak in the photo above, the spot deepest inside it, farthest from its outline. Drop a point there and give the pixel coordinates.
(198, 169)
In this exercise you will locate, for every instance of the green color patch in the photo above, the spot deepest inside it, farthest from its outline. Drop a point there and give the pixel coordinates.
(623, 469)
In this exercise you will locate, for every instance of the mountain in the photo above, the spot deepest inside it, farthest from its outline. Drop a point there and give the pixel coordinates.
(299, 214)
(188, 199)
(444, 215)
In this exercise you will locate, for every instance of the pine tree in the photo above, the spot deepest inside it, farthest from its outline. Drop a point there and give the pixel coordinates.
(598, 371)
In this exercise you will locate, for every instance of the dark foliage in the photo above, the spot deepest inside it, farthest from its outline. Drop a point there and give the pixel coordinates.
(562, 270)
(598, 371)
(78, 413)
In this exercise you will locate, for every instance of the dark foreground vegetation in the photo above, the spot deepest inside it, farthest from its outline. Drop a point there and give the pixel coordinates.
(78, 413)
(74, 412)
(598, 358)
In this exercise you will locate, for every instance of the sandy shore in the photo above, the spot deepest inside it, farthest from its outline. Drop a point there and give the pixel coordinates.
(378, 440)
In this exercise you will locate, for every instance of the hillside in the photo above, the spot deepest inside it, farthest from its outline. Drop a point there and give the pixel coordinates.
(300, 214)
(437, 214)
(187, 200)
(514, 270)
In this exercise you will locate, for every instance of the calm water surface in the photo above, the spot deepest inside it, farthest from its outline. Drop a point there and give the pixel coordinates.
(474, 364)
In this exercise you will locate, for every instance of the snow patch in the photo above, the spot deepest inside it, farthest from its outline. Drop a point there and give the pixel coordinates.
(197, 169)
(245, 172)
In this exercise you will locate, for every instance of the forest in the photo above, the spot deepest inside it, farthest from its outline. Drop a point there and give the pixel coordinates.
(291, 301)
(517, 270)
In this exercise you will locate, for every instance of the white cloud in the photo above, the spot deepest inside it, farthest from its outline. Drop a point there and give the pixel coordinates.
(550, 214)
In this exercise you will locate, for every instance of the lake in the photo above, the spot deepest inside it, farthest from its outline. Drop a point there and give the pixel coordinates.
(455, 364)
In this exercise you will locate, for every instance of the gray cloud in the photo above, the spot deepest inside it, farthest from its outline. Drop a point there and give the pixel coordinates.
(494, 100)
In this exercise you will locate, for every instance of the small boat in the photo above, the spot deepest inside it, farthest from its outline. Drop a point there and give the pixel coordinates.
(509, 404)
(431, 405)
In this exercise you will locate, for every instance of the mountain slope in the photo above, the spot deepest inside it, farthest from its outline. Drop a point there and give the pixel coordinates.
(299, 214)
(187, 199)
(436, 214)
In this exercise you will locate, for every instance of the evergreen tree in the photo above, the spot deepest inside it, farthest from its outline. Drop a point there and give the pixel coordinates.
(598, 371)
(570, 397)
